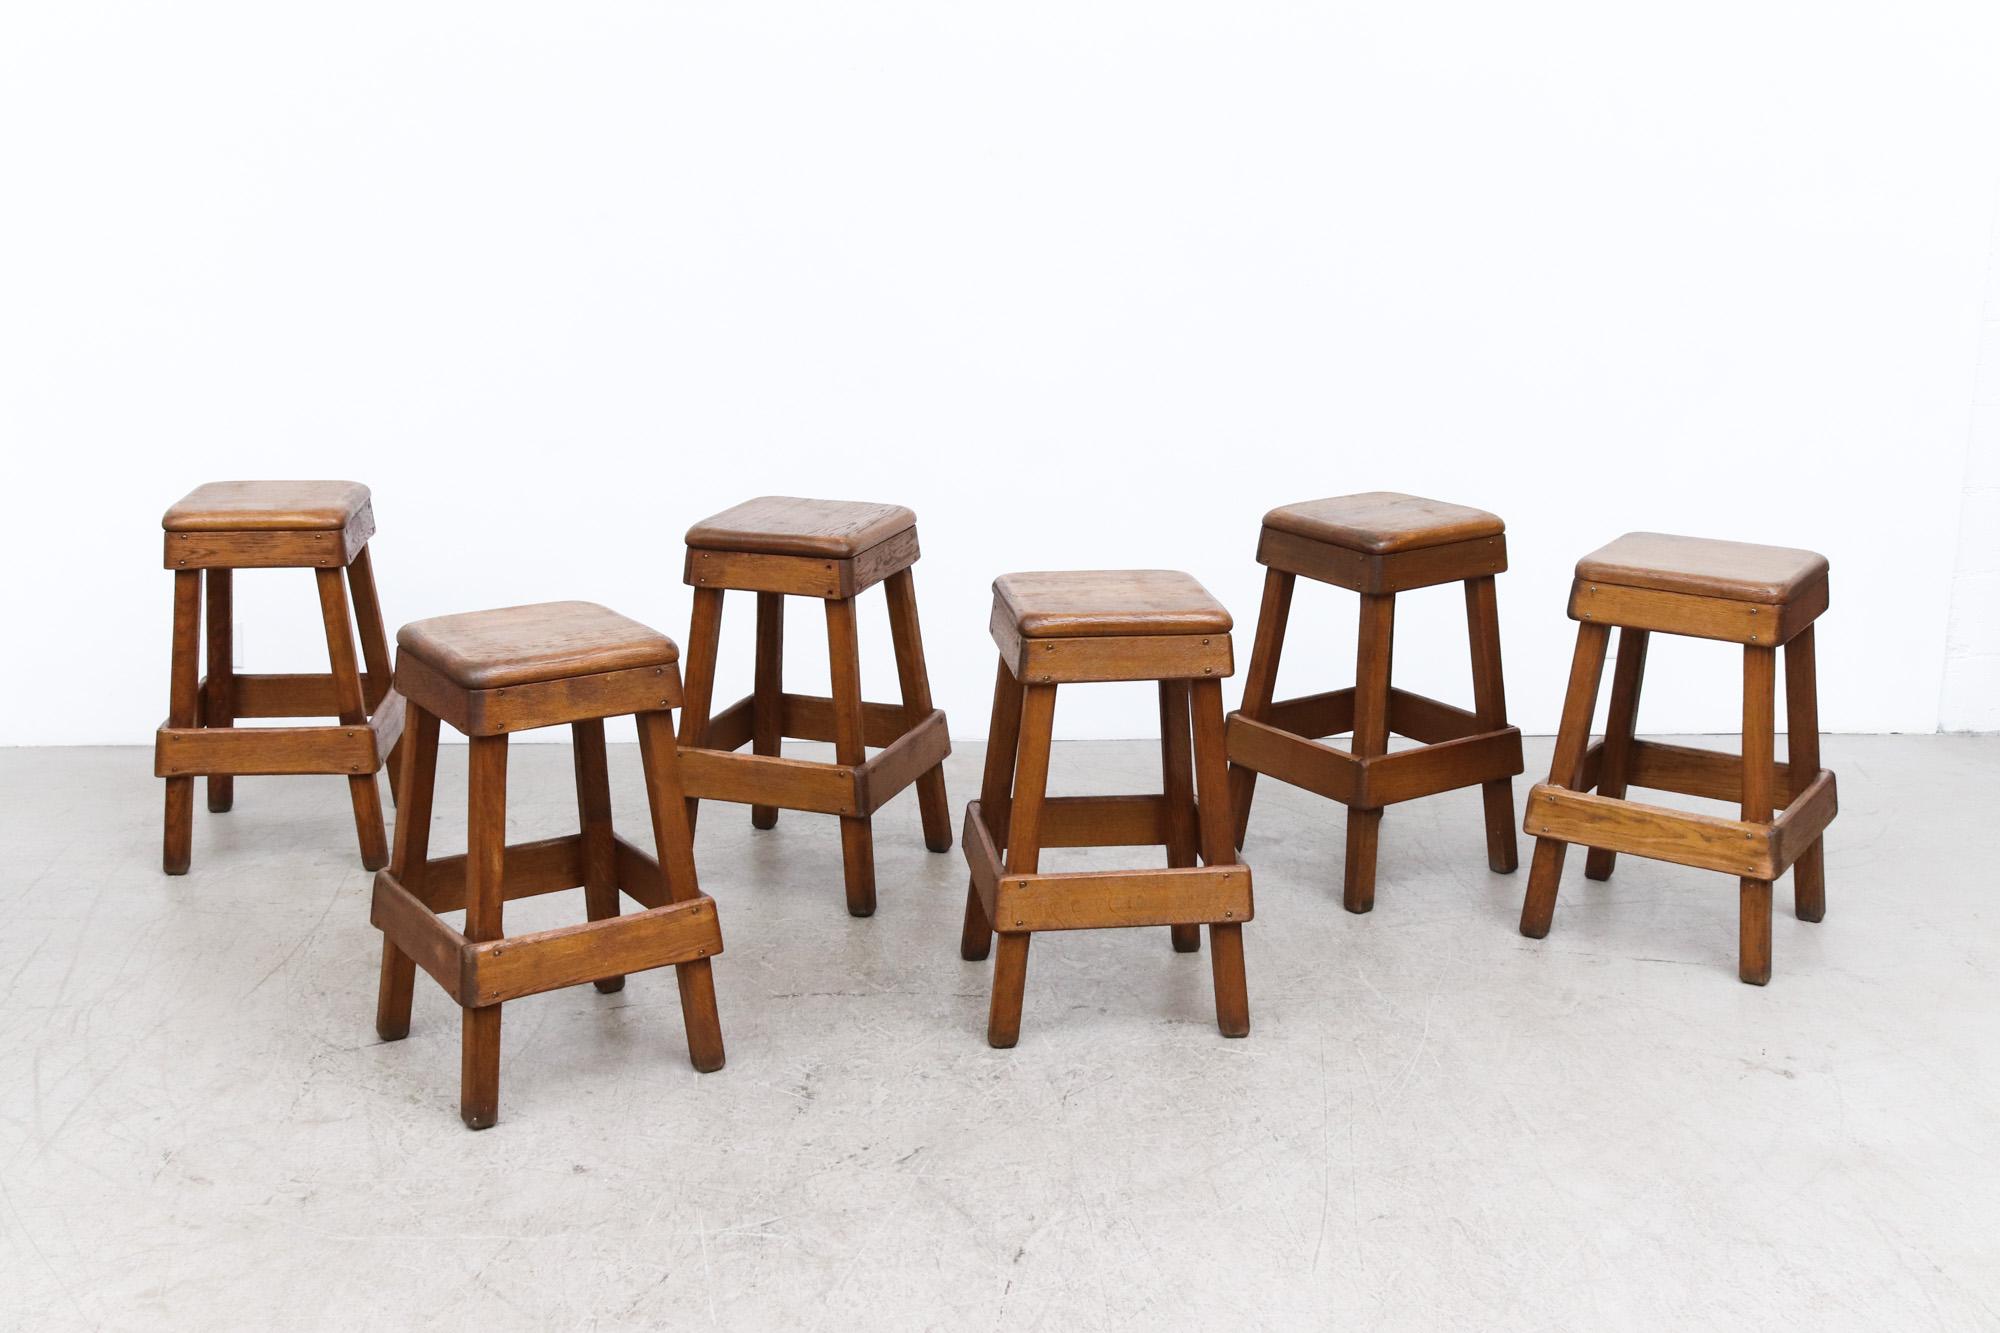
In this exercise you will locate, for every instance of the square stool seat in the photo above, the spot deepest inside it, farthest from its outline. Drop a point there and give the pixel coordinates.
(791, 525)
(267, 506)
(1075, 604)
(527, 645)
(1383, 522)
(1701, 567)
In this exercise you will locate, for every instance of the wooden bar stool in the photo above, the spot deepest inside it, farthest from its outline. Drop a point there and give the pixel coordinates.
(1763, 597)
(218, 529)
(1379, 544)
(778, 546)
(492, 674)
(1069, 628)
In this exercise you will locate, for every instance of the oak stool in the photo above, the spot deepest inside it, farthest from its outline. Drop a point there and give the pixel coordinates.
(215, 530)
(1763, 597)
(778, 546)
(1114, 625)
(1379, 543)
(491, 674)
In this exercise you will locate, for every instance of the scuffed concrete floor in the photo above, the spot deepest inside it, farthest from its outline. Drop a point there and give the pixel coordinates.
(1434, 1123)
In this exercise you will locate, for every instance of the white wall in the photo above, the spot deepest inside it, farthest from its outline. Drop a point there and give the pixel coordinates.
(1083, 283)
(1971, 700)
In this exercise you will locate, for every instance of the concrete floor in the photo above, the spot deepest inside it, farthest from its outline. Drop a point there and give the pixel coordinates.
(1434, 1122)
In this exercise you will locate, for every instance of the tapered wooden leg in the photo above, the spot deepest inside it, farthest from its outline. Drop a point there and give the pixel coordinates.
(857, 832)
(1802, 751)
(485, 865)
(1626, 680)
(675, 841)
(1024, 850)
(1177, 774)
(219, 706)
(768, 707)
(1371, 738)
(361, 787)
(1760, 682)
(418, 757)
(704, 642)
(1218, 848)
(593, 814)
(932, 804)
(374, 651)
(1260, 684)
(1003, 738)
(1586, 671)
(177, 848)
(1489, 696)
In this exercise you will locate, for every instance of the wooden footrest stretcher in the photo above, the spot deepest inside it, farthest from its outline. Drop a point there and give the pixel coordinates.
(1454, 751)
(261, 751)
(494, 971)
(1091, 900)
(714, 771)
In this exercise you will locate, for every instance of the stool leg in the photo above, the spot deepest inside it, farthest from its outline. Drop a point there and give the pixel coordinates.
(857, 831)
(1802, 752)
(219, 707)
(1626, 679)
(593, 814)
(1260, 684)
(182, 703)
(418, 756)
(1586, 670)
(704, 641)
(1024, 850)
(1225, 939)
(907, 632)
(361, 787)
(1371, 738)
(1003, 738)
(768, 705)
(1489, 701)
(374, 651)
(485, 866)
(674, 840)
(1760, 678)
(1177, 774)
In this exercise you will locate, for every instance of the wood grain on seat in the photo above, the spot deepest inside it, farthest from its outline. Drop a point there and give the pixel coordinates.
(788, 525)
(523, 645)
(1108, 603)
(1380, 522)
(266, 506)
(1701, 567)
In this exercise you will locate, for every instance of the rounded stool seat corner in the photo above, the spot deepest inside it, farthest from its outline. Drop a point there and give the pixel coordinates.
(267, 506)
(533, 644)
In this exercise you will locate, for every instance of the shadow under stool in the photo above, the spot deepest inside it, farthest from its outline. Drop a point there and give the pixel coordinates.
(1379, 544)
(780, 546)
(1071, 628)
(492, 674)
(215, 530)
(1763, 597)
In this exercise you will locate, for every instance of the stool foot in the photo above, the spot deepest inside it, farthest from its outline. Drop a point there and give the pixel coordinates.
(1598, 864)
(935, 812)
(857, 857)
(1809, 885)
(392, 998)
(1753, 964)
(976, 940)
(1232, 998)
(1544, 876)
(178, 849)
(609, 985)
(479, 1068)
(1187, 939)
(764, 816)
(1503, 856)
(698, 1014)
(367, 799)
(1363, 831)
(221, 793)
(1010, 979)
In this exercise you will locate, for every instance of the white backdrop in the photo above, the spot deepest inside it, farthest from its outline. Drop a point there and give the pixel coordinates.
(1085, 284)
